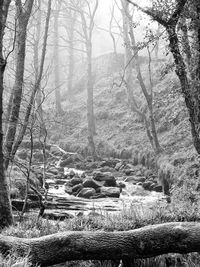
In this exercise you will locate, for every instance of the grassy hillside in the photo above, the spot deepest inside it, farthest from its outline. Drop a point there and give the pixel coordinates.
(117, 128)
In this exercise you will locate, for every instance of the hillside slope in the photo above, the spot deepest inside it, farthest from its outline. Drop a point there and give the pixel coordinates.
(119, 129)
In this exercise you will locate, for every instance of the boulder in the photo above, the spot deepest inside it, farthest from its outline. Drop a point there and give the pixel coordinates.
(66, 162)
(75, 181)
(71, 174)
(129, 171)
(108, 163)
(121, 185)
(53, 171)
(148, 185)
(157, 188)
(77, 188)
(110, 191)
(83, 175)
(68, 189)
(105, 169)
(106, 177)
(134, 179)
(87, 192)
(91, 165)
(118, 166)
(89, 182)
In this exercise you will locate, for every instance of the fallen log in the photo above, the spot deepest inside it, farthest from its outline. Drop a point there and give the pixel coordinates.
(145, 242)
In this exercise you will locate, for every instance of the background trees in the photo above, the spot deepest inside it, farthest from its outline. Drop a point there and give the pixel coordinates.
(69, 78)
(185, 52)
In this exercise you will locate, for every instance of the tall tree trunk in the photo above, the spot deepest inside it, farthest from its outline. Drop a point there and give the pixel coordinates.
(190, 92)
(23, 15)
(71, 56)
(57, 63)
(39, 98)
(5, 204)
(36, 87)
(90, 109)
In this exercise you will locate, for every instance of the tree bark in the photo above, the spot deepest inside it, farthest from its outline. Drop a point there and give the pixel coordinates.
(5, 205)
(146, 242)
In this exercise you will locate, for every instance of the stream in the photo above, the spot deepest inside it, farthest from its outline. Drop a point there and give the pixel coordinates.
(132, 195)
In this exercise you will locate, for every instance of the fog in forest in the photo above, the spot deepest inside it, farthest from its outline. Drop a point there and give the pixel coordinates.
(99, 133)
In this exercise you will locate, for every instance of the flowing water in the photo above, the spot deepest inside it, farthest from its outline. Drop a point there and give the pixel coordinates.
(131, 195)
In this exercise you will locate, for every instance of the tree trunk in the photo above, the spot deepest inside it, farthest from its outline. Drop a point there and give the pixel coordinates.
(5, 206)
(57, 63)
(129, 40)
(146, 242)
(90, 109)
(39, 98)
(36, 87)
(190, 91)
(71, 54)
(23, 15)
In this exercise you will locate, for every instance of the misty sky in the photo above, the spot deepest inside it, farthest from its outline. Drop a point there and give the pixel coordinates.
(102, 42)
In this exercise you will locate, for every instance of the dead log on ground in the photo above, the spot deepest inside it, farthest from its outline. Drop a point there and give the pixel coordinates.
(145, 242)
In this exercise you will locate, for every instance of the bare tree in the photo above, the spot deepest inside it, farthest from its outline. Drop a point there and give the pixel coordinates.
(131, 53)
(23, 12)
(87, 10)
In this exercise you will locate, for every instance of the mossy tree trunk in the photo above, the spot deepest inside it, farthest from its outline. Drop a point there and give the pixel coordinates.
(5, 205)
(146, 242)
